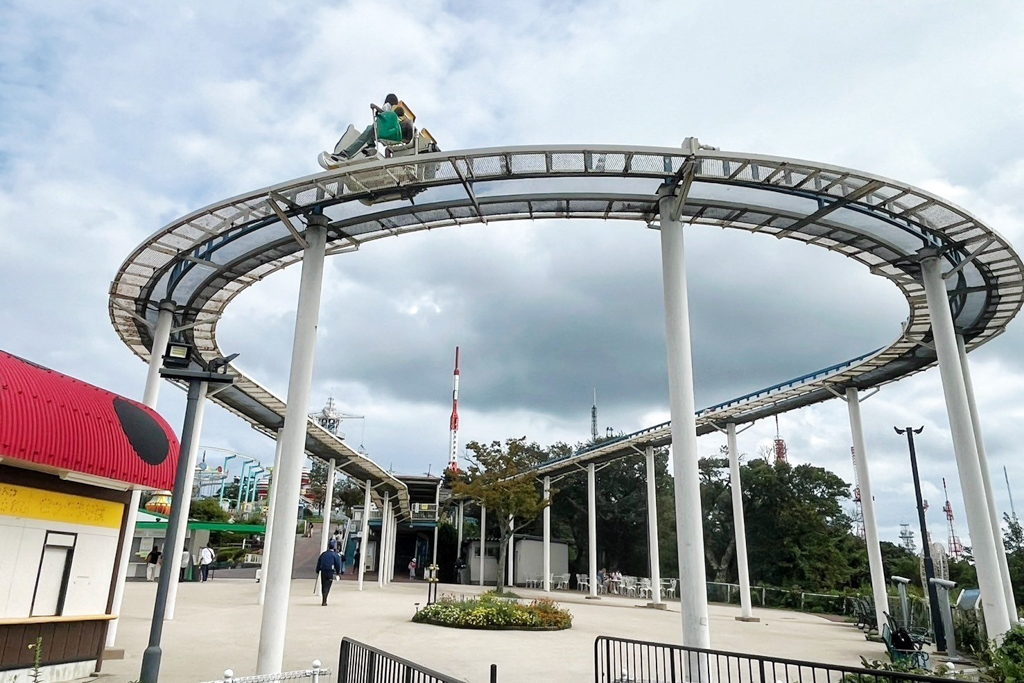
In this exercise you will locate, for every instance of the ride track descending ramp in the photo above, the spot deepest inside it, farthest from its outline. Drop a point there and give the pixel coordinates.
(203, 260)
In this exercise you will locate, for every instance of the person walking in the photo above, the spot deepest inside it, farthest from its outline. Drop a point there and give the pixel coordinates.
(412, 569)
(460, 567)
(206, 558)
(185, 559)
(328, 565)
(153, 563)
(355, 561)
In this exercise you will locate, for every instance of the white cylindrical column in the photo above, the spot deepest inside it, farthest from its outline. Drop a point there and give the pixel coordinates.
(739, 523)
(986, 475)
(278, 564)
(384, 542)
(867, 501)
(161, 335)
(173, 551)
(325, 525)
(271, 499)
(693, 597)
(510, 580)
(461, 518)
(392, 543)
(437, 520)
(997, 620)
(364, 536)
(547, 535)
(483, 542)
(592, 528)
(653, 554)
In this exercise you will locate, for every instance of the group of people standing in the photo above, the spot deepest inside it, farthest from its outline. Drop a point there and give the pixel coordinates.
(205, 560)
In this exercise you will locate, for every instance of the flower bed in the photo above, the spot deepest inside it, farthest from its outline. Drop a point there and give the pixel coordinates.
(492, 612)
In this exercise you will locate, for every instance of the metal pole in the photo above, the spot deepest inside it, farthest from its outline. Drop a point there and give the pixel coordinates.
(693, 597)
(929, 566)
(172, 551)
(878, 589)
(241, 486)
(547, 535)
(653, 553)
(592, 528)
(293, 451)
(997, 620)
(986, 476)
(161, 335)
(325, 525)
(383, 540)
(365, 534)
(272, 493)
(224, 472)
(483, 541)
(151, 657)
(739, 524)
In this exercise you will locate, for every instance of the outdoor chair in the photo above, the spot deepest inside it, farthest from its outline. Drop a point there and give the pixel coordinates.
(629, 586)
(582, 582)
(915, 657)
(533, 581)
(560, 581)
(920, 635)
(668, 588)
(645, 590)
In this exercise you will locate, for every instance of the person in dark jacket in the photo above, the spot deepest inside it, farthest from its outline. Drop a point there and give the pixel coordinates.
(327, 566)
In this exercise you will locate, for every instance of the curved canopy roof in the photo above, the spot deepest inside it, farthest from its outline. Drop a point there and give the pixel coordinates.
(203, 260)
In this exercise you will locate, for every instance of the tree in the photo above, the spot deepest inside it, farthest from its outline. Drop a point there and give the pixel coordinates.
(318, 486)
(499, 478)
(207, 510)
(1014, 542)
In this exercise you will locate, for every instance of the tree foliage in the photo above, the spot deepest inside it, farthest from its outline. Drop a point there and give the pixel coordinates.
(499, 478)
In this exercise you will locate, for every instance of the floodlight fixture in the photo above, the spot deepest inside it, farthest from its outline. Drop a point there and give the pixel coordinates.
(178, 355)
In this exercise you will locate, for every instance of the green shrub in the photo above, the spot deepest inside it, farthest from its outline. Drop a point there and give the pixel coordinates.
(1008, 658)
(490, 611)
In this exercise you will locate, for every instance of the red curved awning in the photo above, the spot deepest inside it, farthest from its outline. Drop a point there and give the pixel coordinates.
(58, 421)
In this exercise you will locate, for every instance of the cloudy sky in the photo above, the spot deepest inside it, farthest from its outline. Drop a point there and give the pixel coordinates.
(115, 119)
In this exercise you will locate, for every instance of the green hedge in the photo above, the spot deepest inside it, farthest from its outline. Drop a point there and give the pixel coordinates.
(492, 612)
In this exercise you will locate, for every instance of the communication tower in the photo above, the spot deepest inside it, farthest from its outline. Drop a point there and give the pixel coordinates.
(858, 505)
(956, 548)
(779, 445)
(907, 538)
(593, 418)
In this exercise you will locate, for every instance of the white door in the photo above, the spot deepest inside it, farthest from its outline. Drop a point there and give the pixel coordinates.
(51, 581)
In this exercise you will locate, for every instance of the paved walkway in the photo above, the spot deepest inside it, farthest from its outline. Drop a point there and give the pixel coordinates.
(217, 627)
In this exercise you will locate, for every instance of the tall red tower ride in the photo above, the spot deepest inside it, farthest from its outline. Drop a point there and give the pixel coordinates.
(453, 450)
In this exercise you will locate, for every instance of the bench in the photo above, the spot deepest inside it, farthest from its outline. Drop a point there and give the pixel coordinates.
(916, 658)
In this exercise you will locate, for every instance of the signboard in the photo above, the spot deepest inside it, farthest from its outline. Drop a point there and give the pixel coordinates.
(50, 506)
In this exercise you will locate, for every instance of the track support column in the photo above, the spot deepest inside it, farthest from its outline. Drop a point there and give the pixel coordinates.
(994, 520)
(483, 542)
(739, 525)
(384, 544)
(271, 498)
(547, 535)
(325, 525)
(997, 620)
(364, 536)
(689, 516)
(592, 528)
(653, 553)
(867, 501)
(161, 335)
(293, 451)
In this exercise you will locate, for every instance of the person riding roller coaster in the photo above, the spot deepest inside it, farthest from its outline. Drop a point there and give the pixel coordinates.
(390, 124)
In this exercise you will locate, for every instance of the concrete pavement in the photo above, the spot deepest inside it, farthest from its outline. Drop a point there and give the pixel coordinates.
(217, 627)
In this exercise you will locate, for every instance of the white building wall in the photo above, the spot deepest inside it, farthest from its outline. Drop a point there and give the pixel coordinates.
(529, 559)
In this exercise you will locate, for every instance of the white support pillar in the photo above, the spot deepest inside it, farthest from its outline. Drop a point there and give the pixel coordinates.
(510, 579)
(161, 335)
(693, 597)
(972, 484)
(994, 520)
(461, 519)
(867, 501)
(483, 542)
(384, 542)
(325, 526)
(547, 535)
(592, 528)
(364, 536)
(278, 564)
(173, 550)
(739, 525)
(437, 521)
(271, 501)
(392, 544)
(653, 556)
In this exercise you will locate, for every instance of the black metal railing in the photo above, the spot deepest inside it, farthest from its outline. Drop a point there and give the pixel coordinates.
(361, 663)
(618, 660)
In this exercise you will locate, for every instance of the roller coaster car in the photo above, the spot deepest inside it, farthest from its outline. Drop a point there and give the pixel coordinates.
(384, 184)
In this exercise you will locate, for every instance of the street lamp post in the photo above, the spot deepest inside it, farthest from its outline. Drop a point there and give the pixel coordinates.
(929, 567)
(176, 366)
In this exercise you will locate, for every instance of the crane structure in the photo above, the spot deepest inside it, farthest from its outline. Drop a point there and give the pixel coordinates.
(907, 538)
(956, 548)
(453, 448)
